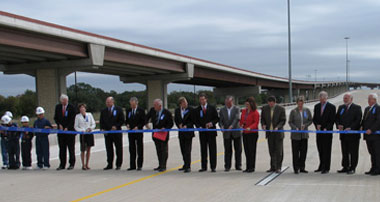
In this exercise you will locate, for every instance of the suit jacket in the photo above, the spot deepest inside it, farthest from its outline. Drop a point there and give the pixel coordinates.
(115, 118)
(327, 119)
(350, 118)
(211, 116)
(67, 119)
(164, 121)
(371, 121)
(252, 121)
(295, 122)
(233, 120)
(187, 120)
(136, 120)
(278, 120)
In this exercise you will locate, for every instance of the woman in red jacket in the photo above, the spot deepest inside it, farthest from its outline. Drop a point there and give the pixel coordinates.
(249, 120)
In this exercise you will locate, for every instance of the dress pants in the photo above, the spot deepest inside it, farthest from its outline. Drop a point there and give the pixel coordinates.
(208, 141)
(186, 145)
(162, 152)
(136, 146)
(66, 142)
(275, 144)
(228, 142)
(350, 152)
(373, 146)
(299, 150)
(112, 139)
(250, 142)
(324, 144)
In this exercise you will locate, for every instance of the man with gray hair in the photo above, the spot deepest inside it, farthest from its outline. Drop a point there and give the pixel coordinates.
(371, 124)
(161, 119)
(135, 120)
(348, 117)
(229, 117)
(324, 119)
(64, 117)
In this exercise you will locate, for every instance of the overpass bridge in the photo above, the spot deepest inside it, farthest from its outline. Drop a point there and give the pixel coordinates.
(50, 52)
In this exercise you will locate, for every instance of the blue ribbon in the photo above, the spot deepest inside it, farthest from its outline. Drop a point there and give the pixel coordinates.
(47, 131)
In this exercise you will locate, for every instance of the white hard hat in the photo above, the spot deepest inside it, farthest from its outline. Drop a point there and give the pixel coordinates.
(24, 119)
(8, 113)
(6, 119)
(40, 110)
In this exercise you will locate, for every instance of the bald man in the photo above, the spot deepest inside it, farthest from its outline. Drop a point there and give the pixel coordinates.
(112, 118)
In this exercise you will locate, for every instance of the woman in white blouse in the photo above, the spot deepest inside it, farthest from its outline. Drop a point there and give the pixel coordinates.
(84, 122)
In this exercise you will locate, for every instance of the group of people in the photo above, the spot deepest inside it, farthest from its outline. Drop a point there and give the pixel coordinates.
(348, 117)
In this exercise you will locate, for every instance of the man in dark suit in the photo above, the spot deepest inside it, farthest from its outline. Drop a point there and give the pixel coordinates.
(112, 118)
(64, 117)
(184, 118)
(273, 117)
(229, 117)
(161, 119)
(324, 119)
(371, 124)
(135, 120)
(348, 117)
(206, 117)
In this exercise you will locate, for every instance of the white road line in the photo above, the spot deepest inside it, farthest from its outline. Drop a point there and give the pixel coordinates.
(321, 185)
(269, 178)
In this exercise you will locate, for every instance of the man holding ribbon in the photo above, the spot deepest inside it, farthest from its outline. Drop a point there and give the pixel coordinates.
(348, 117)
(64, 118)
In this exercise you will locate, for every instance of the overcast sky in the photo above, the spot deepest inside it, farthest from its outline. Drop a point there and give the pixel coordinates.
(250, 34)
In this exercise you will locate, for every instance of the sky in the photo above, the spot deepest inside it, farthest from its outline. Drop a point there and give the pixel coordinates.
(249, 34)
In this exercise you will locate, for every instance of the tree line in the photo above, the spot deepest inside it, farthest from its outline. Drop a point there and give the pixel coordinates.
(26, 103)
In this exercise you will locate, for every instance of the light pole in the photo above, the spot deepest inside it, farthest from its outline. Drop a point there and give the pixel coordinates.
(315, 75)
(346, 38)
(290, 57)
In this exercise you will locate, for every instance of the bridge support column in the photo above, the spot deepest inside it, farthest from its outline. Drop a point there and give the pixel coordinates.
(156, 89)
(50, 84)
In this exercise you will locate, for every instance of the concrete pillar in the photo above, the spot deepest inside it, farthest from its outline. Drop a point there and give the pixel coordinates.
(50, 84)
(156, 89)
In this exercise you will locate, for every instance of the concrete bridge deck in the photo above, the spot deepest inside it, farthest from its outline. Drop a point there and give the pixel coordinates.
(146, 185)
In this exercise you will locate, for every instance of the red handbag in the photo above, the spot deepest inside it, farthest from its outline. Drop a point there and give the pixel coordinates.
(160, 135)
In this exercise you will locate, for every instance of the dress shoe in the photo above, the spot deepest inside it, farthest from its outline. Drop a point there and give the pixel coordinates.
(227, 170)
(156, 169)
(139, 169)
(278, 171)
(202, 170)
(270, 170)
(249, 171)
(375, 173)
(324, 172)
(70, 168)
(343, 170)
(318, 170)
(60, 168)
(238, 168)
(162, 170)
(350, 172)
(213, 170)
(129, 169)
(118, 168)
(181, 169)
(369, 172)
(107, 168)
(304, 171)
(187, 170)
(296, 172)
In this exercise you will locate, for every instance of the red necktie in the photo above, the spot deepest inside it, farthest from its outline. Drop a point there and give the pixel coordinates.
(63, 110)
(204, 110)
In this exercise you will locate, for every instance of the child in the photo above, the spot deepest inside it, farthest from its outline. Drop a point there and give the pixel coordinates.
(13, 145)
(42, 140)
(26, 144)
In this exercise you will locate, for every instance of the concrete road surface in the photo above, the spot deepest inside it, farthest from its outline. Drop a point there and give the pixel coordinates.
(97, 185)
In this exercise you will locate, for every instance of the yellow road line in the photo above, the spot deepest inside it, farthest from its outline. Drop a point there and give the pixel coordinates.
(139, 180)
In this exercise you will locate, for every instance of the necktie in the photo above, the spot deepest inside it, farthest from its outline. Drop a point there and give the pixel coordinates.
(158, 117)
(271, 118)
(110, 111)
(369, 111)
(133, 112)
(63, 110)
(322, 106)
(204, 110)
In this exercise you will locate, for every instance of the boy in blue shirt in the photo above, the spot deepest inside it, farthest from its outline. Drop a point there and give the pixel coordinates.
(42, 139)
